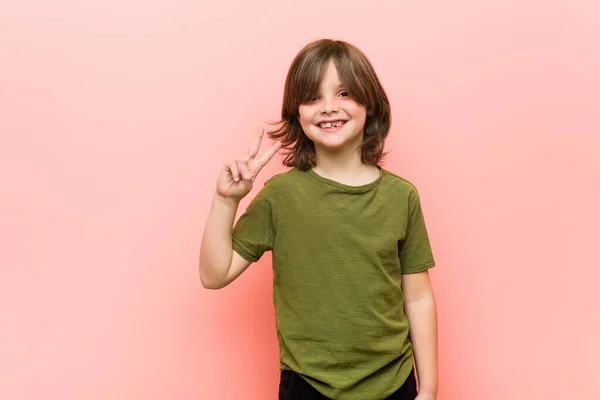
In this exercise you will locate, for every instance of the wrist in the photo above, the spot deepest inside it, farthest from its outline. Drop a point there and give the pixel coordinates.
(428, 392)
(225, 200)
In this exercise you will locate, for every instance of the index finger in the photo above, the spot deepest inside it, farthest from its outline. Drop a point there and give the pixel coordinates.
(253, 151)
(269, 154)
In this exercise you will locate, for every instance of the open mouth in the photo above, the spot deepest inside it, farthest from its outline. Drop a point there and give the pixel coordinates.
(331, 125)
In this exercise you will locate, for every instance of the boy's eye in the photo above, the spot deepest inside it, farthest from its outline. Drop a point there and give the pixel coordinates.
(317, 98)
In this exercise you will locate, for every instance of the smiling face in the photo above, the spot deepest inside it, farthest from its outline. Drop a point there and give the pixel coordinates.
(332, 119)
(332, 81)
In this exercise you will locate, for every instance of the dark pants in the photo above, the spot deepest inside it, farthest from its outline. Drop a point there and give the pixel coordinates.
(293, 387)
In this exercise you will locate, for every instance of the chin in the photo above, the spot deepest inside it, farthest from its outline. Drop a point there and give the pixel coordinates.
(335, 143)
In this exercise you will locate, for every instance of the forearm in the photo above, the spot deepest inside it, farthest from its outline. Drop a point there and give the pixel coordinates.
(422, 317)
(216, 248)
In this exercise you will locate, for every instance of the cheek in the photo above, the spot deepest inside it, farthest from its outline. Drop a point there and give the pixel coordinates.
(305, 117)
(362, 111)
(355, 110)
(359, 113)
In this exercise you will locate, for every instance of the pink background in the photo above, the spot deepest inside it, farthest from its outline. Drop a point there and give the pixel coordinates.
(116, 116)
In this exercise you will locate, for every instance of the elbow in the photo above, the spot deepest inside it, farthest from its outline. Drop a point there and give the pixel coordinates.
(211, 284)
(421, 298)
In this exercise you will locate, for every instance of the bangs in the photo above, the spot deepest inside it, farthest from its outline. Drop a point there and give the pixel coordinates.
(353, 76)
(309, 76)
(311, 70)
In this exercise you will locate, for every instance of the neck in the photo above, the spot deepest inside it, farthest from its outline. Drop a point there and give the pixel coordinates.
(340, 162)
(344, 166)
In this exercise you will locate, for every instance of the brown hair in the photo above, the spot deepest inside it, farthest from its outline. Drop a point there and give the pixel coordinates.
(302, 82)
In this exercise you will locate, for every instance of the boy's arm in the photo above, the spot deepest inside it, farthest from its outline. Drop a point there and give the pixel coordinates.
(219, 263)
(420, 308)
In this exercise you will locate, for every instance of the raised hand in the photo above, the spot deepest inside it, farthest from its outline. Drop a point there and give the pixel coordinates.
(236, 179)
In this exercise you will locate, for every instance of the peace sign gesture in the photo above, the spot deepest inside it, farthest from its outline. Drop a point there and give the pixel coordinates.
(236, 179)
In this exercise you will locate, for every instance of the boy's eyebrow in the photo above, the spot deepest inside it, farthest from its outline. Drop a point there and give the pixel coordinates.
(340, 86)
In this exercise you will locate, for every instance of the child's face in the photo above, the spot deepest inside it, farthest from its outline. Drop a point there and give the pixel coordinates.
(333, 120)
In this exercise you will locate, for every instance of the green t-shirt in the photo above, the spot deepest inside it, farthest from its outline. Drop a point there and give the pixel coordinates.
(338, 255)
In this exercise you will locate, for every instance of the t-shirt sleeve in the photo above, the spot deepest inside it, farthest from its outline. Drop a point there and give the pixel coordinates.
(415, 249)
(254, 232)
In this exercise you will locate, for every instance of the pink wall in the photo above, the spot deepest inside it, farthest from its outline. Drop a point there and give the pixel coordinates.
(116, 115)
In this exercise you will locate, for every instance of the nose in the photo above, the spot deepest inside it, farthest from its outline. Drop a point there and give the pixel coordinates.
(329, 105)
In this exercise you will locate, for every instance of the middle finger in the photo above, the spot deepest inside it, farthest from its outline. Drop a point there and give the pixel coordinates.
(256, 144)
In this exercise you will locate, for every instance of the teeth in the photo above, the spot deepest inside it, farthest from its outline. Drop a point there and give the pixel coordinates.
(331, 124)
